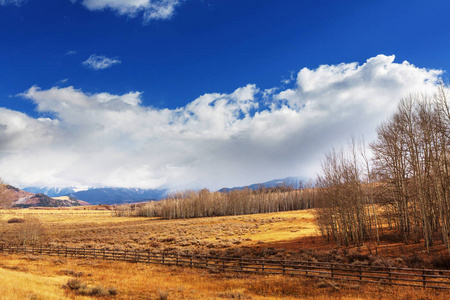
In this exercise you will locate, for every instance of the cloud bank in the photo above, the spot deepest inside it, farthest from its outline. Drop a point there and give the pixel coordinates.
(150, 9)
(100, 62)
(216, 140)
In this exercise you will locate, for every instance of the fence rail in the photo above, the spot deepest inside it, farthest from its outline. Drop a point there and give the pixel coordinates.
(427, 278)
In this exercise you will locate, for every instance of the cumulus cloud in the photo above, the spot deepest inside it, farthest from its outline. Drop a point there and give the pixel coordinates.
(216, 140)
(11, 2)
(150, 9)
(100, 62)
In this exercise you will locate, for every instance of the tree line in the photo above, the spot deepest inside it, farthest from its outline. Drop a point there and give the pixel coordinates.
(406, 182)
(203, 203)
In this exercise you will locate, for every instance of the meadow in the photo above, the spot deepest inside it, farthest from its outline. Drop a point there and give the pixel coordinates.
(287, 235)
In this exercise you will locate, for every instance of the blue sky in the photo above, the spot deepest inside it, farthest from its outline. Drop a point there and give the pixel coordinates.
(217, 79)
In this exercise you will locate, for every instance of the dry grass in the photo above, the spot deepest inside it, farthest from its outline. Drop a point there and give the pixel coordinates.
(44, 278)
(96, 228)
(278, 235)
(17, 283)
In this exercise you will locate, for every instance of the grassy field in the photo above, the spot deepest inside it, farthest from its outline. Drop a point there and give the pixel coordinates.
(98, 228)
(289, 235)
(36, 277)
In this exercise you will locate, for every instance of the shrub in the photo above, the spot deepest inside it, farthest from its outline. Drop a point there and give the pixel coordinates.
(358, 257)
(81, 288)
(163, 295)
(112, 291)
(413, 261)
(233, 295)
(99, 291)
(16, 220)
(75, 284)
(441, 262)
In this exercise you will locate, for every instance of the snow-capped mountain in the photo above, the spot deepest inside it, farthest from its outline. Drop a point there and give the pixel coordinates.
(294, 182)
(55, 191)
(103, 195)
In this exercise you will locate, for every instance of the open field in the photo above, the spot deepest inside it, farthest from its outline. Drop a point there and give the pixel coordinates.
(47, 275)
(98, 228)
(274, 235)
(285, 235)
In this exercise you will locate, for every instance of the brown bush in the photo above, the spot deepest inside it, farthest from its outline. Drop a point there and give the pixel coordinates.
(75, 284)
(163, 295)
(81, 288)
(16, 220)
(441, 262)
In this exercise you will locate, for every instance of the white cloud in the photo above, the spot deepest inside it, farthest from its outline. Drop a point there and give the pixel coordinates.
(216, 140)
(11, 2)
(100, 62)
(151, 9)
(70, 53)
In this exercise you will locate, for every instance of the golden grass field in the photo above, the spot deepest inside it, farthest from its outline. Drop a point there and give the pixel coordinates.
(285, 234)
(98, 228)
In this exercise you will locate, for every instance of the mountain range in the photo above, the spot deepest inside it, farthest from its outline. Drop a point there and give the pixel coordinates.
(107, 195)
(13, 197)
(294, 182)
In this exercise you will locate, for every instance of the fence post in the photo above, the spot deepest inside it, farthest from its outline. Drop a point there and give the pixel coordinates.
(104, 253)
(306, 268)
(177, 258)
(360, 273)
(163, 258)
(332, 270)
(262, 265)
(191, 261)
(424, 278)
(284, 267)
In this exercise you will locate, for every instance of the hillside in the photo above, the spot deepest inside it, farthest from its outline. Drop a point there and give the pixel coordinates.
(294, 182)
(13, 197)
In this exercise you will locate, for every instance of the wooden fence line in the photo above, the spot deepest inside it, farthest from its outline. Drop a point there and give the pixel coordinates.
(427, 278)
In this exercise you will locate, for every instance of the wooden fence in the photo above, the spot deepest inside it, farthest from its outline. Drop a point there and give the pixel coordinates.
(426, 278)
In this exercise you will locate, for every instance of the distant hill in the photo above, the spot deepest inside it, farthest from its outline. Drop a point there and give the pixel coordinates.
(13, 197)
(288, 181)
(119, 195)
